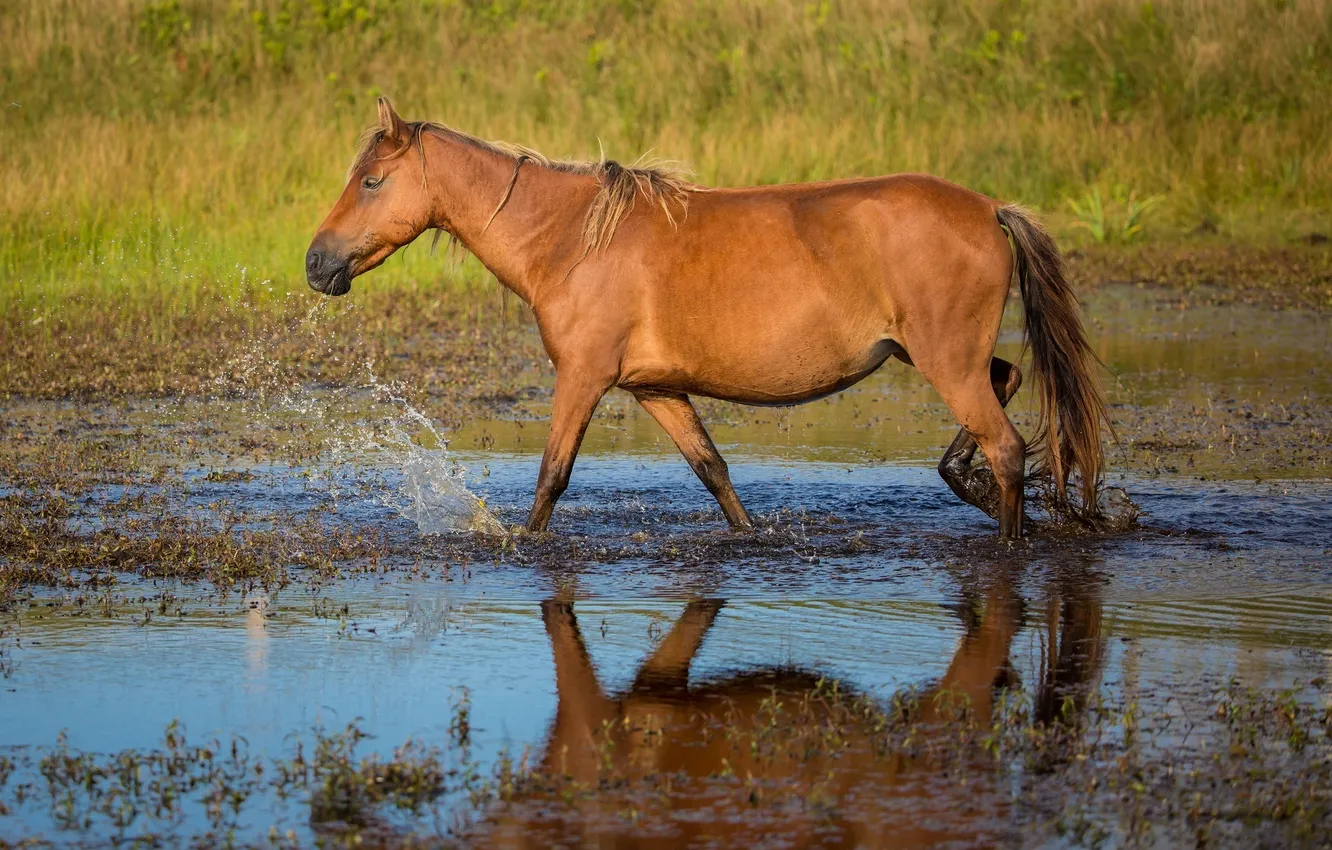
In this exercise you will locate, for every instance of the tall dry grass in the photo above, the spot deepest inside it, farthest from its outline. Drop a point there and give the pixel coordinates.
(182, 150)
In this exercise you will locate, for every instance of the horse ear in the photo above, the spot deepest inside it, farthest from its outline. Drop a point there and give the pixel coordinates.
(393, 126)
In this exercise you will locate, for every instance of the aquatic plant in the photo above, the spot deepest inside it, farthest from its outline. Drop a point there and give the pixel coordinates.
(1120, 221)
(1254, 763)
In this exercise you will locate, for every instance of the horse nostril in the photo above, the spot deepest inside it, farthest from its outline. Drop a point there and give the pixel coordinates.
(313, 260)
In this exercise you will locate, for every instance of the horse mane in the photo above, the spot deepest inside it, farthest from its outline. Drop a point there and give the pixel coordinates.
(662, 184)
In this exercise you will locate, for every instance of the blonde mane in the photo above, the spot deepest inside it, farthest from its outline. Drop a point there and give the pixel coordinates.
(661, 184)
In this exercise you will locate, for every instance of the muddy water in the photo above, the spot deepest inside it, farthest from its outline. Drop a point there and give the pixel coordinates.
(865, 571)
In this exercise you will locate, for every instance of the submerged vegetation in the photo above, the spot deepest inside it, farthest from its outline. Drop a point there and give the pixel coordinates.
(1233, 766)
(162, 156)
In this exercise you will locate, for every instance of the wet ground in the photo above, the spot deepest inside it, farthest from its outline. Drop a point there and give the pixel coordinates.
(871, 666)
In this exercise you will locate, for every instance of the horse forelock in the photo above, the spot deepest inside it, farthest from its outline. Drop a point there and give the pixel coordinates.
(368, 147)
(661, 183)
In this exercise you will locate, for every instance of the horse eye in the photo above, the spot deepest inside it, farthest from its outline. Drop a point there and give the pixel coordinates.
(372, 182)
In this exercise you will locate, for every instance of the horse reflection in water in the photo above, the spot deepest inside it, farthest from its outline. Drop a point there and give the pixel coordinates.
(656, 753)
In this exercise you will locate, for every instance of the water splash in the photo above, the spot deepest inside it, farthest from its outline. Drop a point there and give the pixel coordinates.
(393, 451)
(433, 493)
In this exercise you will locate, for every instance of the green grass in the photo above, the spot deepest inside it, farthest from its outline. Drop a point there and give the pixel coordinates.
(175, 152)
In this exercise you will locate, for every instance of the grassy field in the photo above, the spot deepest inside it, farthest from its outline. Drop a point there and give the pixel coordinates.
(165, 155)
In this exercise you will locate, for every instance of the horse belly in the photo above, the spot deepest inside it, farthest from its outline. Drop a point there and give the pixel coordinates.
(793, 379)
(747, 365)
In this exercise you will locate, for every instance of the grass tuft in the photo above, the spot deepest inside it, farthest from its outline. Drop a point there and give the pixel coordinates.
(168, 153)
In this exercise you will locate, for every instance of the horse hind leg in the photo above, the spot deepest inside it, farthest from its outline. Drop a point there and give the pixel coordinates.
(975, 486)
(977, 407)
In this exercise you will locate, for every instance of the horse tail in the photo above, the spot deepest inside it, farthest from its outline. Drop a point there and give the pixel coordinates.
(1072, 404)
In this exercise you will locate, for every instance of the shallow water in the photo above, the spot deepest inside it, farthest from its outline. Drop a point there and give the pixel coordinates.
(865, 570)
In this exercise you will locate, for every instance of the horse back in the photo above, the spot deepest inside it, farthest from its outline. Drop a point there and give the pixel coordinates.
(785, 293)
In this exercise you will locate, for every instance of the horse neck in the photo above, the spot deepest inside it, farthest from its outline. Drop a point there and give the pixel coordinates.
(536, 236)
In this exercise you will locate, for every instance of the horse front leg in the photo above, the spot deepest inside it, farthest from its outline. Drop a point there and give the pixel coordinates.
(582, 709)
(680, 421)
(576, 398)
(668, 667)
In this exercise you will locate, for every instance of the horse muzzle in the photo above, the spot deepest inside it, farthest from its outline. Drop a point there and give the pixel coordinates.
(327, 274)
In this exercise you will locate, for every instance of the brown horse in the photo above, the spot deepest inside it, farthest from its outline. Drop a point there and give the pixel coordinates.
(769, 295)
(664, 725)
